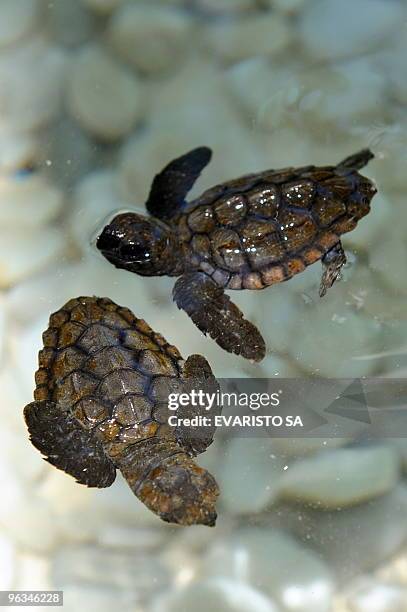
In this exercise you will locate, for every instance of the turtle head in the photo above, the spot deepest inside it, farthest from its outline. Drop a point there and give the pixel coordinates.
(139, 244)
(356, 189)
(358, 202)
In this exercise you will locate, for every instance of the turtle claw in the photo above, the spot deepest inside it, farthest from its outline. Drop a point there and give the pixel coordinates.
(215, 314)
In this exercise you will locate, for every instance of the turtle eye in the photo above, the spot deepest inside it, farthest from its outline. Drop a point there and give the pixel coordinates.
(134, 252)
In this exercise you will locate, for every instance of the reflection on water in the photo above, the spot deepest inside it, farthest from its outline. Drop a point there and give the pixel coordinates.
(96, 97)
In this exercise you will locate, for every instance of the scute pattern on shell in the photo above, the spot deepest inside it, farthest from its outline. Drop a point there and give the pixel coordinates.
(103, 355)
(264, 228)
(102, 391)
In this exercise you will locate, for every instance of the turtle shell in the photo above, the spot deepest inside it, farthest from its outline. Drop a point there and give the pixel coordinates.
(107, 369)
(101, 404)
(264, 228)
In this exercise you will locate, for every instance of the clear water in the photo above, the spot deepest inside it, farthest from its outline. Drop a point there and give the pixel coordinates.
(99, 102)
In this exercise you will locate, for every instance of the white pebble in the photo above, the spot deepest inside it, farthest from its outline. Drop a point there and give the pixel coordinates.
(152, 38)
(273, 365)
(30, 523)
(32, 76)
(24, 346)
(367, 293)
(103, 6)
(331, 29)
(218, 594)
(290, 448)
(276, 309)
(171, 2)
(388, 257)
(23, 253)
(197, 112)
(16, 451)
(342, 477)
(62, 494)
(265, 558)
(48, 291)
(118, 505)
(286, 6)
(2, 330)
(12, 492)
(7, 562)
(102, 597)
(33, 572)
(352, 91)
(392, 62)
(117, 537)
(240, 39)
(11, 388)
(372, 532)
(262, 89)
(136, 575)
(18, 19)
(70, 23)
(212, 457)
(95, 199)
(29, 201)
(312, 100)
(249, 459)
(366, 234)
(69, 153)
(390, 146)
(342, 333)
(369, 595)
(226, 6)
(17, 149)
(103, 96)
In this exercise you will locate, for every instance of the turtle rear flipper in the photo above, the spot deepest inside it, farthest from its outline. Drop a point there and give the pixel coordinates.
(172, 184)
(67, 446)
(357, 161)
(215, 314)
(332, 263)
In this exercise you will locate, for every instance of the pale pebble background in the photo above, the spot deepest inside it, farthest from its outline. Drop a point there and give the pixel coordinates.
(95, 97)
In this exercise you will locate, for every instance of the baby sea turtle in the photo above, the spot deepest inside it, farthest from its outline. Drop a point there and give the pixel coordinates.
(247, 233)
(101, 404)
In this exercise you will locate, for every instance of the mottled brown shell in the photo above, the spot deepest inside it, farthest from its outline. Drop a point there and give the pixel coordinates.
(264, 228)
(101, 404)
(103, 366)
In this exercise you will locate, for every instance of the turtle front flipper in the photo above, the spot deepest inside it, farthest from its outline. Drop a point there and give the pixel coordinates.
(171, 186)
(332, 263)
(197, 376)
(215, 314)
(67, 446)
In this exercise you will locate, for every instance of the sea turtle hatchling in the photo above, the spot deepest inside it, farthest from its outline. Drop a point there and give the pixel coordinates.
(101, 402)
(247, 233)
